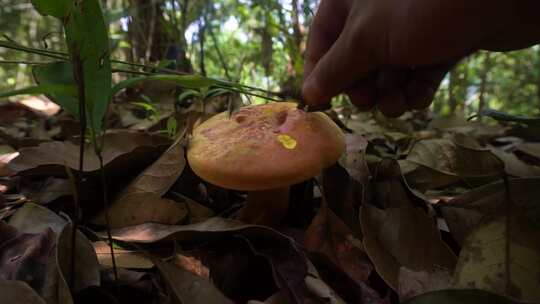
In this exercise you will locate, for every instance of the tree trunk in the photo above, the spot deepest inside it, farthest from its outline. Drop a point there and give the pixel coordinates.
(538, 80)
(483, 83)
(452, 83)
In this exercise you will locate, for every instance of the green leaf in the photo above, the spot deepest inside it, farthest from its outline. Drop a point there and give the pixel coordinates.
(58, 73)
(460, 296)
(189, 94)
(185, 81)
(501, 116)
(42, 89)
(88, 42)
(55, 8)
(172, 125)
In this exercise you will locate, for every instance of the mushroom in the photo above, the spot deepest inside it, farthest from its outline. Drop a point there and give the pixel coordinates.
(263, 149)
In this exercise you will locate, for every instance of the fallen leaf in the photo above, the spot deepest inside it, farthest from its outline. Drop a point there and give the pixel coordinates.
(25, 256)
(463, 213)
(192, 265)
(406, 237)
(454, 162)
(124, 258)
(447, 157)
(502, 255)
(354, 160)
(47, 190)
(86, 262)
(7, 153)
(120, 148)
(460, 296)
(32, 218)
(514, 166)
(188, 287)
(328, 235)
(390, 189)
(18, 292)
(414, 283)
(142, 200)
(532, 149)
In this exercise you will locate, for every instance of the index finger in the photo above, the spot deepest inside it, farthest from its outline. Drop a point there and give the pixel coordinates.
(325, 28)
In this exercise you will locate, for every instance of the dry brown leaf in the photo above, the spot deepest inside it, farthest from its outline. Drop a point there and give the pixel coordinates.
(442, 162)
(354, 160)
(188, 287)
(390, 190)
(449, 158)
(406, 237)
(329, 236)
(192, 265)
(124, 258)
(414, 283)
(7, 153)
(514, 166)
(121, 147)
(18, 292)
(142, 200)
(502, 255)
(464, 212)
(32, 218)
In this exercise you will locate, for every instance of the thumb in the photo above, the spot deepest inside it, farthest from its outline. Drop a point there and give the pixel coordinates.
(344, 63)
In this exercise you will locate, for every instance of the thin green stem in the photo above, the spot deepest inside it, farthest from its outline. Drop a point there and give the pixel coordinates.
(241, 88)
(23, 62)
(107, 216)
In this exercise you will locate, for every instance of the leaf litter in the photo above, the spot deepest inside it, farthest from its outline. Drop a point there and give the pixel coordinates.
(409, 215)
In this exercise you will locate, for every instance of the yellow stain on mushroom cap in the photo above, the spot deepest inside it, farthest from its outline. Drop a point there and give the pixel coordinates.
(287, 141)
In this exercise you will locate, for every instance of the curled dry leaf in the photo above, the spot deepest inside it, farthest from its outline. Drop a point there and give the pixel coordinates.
(142, 200)
(120, 149)
(447, 161)
(502, 255)
(18, 292)
(406, 237)
(463, 213)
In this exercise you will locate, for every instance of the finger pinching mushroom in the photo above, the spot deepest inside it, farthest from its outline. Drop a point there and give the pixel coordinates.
(263, 149)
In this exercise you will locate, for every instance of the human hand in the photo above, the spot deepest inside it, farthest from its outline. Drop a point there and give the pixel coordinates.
(394, 53)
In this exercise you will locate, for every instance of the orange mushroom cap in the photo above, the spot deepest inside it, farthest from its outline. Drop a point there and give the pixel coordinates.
(264, 146)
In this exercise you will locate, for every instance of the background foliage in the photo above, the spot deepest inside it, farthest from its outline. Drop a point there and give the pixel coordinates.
(258, 43)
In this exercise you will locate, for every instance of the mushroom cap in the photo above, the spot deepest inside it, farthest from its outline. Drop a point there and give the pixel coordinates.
(264, 146)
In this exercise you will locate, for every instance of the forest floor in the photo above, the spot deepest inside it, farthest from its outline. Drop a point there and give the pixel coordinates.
(420, 209)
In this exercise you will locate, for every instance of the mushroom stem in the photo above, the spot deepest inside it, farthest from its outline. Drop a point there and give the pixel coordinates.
(265, 207)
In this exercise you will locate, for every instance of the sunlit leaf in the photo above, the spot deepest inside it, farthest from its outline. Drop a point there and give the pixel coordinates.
(185, 81)
(87, 38)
